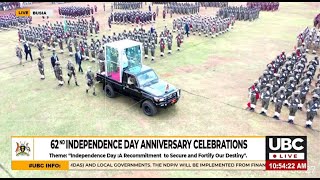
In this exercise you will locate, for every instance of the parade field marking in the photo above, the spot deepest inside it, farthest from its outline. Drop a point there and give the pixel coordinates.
(220, 69)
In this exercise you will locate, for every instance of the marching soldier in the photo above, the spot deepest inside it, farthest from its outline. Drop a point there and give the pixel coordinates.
(162, 47)
(290, 87)
(19, 54)
(90, 81)
(70, 46)
(164, 15)
(304, 89)
(86, 51)
(71, 72)
(179, 41)
(265, 97)
(101, 59)
(93, 53)
(58, 72)
(169, 41)
(280, 98)
(254, 96)
(145, 47)
(60, 42)
(312, 107)
(41, 68)
(152, 50)
(294, 101)
(40, 48)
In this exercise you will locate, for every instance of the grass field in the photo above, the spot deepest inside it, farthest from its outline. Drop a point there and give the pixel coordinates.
(219, 69)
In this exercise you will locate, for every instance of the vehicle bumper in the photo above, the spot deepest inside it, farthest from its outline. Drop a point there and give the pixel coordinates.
(166, 104)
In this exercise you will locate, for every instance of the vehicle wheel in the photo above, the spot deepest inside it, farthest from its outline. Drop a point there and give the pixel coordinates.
(149, 108)
(109, 91)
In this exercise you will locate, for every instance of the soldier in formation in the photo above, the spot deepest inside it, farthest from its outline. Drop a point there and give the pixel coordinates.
(40, 47)
(207, 25)
(239, 13)
(291, 78)
(264, 6)
(132, 17)
(308, 41)
(53, 35)
(183, 8)
(74, 11)
(160, 3)
(10, 21)
(127, 5)
(214, 4)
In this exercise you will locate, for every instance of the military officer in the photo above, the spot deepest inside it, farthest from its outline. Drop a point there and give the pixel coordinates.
(58, 72)
(90, 81)
(41, 68)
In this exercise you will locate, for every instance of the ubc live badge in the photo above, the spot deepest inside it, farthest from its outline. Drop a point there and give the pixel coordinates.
(286, 152)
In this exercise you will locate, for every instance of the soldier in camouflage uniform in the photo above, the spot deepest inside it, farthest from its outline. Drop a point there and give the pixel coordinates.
(71, 72)
(101, 58)
(58, 73)
(40, 48)
(19, 54)
(304, 89)
(179, 41)
(145, 48)
(280, 98)
(41, 68)
(312, 108)
(162, 46)
(254, 96)
(93, 52)
(152, 50)
(169, 41)
(265, 97)
(86, 51)
(90, 81)
(70, 46)
(294, 101)
(60, 43)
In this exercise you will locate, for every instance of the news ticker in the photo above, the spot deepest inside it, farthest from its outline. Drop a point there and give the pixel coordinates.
(159, 153)
(34, 12)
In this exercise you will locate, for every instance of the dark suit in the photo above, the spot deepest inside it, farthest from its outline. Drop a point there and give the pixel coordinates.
(186, 27)
(78, 58)
(27, 50)
(53, 60)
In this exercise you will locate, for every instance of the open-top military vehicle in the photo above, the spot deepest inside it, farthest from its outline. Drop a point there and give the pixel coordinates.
(125, 74)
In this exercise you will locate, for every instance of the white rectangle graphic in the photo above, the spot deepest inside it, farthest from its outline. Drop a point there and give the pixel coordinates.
(41, 12)
(150, 148)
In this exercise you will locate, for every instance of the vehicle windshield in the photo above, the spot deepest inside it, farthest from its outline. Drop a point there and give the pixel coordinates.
(147, 78)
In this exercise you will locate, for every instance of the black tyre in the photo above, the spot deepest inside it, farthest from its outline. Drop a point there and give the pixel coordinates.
(109, 91)
(149, 108)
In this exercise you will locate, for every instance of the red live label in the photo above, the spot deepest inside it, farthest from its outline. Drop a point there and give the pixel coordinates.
(286, 165)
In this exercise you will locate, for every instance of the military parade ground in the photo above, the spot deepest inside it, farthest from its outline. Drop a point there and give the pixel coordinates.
(222, 56)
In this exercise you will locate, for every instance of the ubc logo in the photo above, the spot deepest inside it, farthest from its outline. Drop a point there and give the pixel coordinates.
(286, 144)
